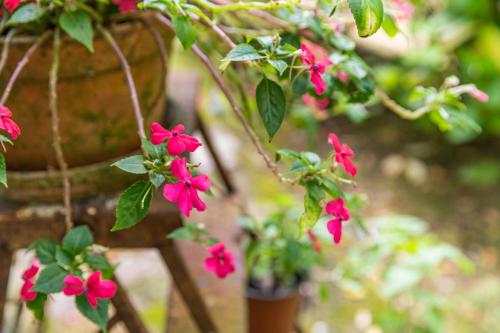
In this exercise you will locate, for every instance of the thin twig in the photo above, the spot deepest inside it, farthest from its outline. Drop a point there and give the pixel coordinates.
(398, 109)
(56, 135)
(232, 102)
(20, 66)
(130, 80)
(6, 46)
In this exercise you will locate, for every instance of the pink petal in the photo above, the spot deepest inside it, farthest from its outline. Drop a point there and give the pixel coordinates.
(26, 294)
(31, 271)
(159, 134)
(334, 140)
(105, 289)
(73, 285)
(307, 56)
(210, 264)
(94, 279)
(196, 201)
(179, 169)
(201, 182)
(184, 202)
(178, 129)
(335, 228)
(479, 95)
(92, 299)
(216, 249)
(349, 167)
(11, 5)
(318, 82)
(171, 192)
(190, 142)
(5, 112)
(175, 146)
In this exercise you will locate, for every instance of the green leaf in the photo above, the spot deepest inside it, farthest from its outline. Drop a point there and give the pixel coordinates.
(3, 138)
(155, 151)
(182, 233)
(98, 315)
(133, 205)
(63, 258)
(368, 15)
(132, 164)
(78, 25)
(78, 239)
(243, 52)
(279, 65)
(3, 171)
(271, 103)
(332, 189)
(157, 179)
(51, 279)
(45, 250)
(97, 262)
(287, 153)
(37, 306)
(184, 30)
(312, 212)
(389, 26)
(25, 14)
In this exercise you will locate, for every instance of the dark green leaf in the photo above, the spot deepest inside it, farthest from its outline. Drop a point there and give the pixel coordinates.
(133, 205)
(45, 250)
(368, 15)
(77, 239)
(3, 171)
(184, 30)
(97, 262)
(51, 279)
(37, 306)
(63, 258)
(25, 14)
(98, 315)
(132, 164)
(155, 151)
(78, 25)
(243, 52)
(271, 103)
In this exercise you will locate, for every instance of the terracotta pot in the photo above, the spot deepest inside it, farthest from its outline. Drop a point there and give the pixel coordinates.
(95, 108)
(277, 314)
(96, 116)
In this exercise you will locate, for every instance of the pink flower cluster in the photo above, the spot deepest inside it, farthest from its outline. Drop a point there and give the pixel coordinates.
(27, 294)
(220, 262)
(343, 154)
(94, 288)
(125, 6)
(316, 68)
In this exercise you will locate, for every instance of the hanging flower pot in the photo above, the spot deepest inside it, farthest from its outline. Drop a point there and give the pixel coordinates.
(97, 124)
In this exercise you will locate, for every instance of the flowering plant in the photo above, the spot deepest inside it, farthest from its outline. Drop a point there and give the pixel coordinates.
(291, 51)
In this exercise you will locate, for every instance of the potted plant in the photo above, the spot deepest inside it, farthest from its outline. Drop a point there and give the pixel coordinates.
(277, 53)
(276, 264)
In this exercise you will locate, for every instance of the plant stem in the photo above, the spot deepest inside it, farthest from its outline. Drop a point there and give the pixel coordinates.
(398, 109)
(20, 66)
(56, 135)
(130, 80)
(5, 51)
(246, 5)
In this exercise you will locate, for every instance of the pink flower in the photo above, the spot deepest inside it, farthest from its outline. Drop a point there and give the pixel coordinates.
(177, 142)
(340, 213)
(7, 124)
(479, 95)
(314, 241)
(126, 5)
(343, 154)
(11, 5)
(316, 68)
(220, 262)
(94, 288)
(184, 192)
(26, 294)
(320, 103)
(32, 271)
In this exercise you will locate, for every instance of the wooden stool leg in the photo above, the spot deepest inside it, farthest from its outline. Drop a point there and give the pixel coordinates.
(5, 263)
(126, 312)
(186, 286)
(218, 163)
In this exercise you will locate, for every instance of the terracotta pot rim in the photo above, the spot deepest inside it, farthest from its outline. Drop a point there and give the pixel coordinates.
(118, 27)
(283, 293)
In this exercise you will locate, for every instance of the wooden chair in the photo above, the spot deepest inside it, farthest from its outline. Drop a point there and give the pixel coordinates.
(20, 225)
